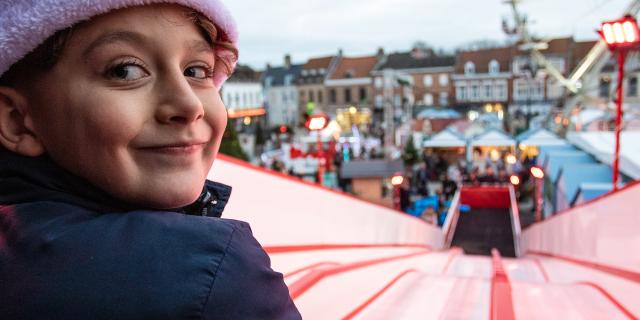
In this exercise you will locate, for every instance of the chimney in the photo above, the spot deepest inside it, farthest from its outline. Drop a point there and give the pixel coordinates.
(339, 52)
(287, 61)
(380, 53)
(268, 65)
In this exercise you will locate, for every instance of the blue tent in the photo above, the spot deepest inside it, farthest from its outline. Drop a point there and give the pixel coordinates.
(589, 191)
(545, 150)
(559, 160)
(575, 175)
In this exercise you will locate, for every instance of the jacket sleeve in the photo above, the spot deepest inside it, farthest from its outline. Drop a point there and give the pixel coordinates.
(245, 286)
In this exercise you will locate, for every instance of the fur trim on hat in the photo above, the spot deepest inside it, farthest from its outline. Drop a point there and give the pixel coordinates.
(25, 24)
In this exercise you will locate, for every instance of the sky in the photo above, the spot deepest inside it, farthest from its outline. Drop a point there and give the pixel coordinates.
(315, 28)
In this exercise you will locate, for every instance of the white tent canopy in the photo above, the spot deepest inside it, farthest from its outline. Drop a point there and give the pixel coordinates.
(601, 145)
(493, 138)
(540, 137)
(445, 139)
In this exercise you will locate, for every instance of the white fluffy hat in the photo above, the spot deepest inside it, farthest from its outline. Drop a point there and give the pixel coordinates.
(25, 24)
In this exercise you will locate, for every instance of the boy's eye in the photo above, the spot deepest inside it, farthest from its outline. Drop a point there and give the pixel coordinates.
(127, 72)
(198, 72)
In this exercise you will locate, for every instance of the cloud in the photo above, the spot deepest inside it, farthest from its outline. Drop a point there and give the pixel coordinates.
(311, 28)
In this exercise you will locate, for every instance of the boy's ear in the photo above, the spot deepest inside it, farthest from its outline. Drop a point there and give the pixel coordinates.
(16, 125)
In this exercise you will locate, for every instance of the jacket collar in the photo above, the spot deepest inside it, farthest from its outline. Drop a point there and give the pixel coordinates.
(27, 179)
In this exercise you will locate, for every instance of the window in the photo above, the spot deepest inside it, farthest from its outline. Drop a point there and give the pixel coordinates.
(632, 90)
(428, 81)
(229, 100)
(303, 72)
(362, 97)
(494, 67)
(319, 96)
(488, 91)
(474, 92)
(397, 100)
(268, 81)
(379, 101)
(347, 95)
(444, 98)
(461, 93)
(313, 72)
(237, 99)
(284, 97)
(428, 99)
(311, 97)
(469, 68)
(377, 82)
(443, 79)
(332, 96)
(288, 79)
(501, 92)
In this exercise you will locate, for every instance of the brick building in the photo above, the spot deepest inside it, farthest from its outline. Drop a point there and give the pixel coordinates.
(310, 83)
(349, 83)
(428, 74)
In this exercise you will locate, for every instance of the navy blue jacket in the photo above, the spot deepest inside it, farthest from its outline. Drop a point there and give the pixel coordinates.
(74, 255)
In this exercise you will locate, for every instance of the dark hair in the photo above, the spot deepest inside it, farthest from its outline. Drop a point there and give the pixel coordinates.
(45, 56)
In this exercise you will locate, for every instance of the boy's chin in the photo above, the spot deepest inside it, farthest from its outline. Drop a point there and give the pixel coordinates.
(172, 200)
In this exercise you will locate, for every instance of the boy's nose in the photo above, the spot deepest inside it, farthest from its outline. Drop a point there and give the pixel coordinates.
(180, 104)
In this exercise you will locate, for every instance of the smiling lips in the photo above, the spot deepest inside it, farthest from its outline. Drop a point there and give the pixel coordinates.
(181, 148)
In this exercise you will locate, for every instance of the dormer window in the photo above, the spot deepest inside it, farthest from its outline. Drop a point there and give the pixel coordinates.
(348, 74)
(494, 67)
(469, 68)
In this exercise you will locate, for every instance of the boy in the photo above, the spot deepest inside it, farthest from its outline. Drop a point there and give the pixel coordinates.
(108, 128)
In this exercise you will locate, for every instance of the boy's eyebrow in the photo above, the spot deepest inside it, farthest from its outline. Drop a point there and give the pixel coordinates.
(114, 36)
(199, 46)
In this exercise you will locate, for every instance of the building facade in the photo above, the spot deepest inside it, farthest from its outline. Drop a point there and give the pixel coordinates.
(427, 75)
(349, 83)
(281, 94)
(483, 77)
(242, 94)
(312, 93)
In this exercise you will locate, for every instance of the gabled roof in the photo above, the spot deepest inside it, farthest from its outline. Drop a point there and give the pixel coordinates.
(600, 145)
(543, 156)
(574, 175)
(494, 138)
(482, 57)
(539, 137)
(244, 73)
(318, 63)
(407, 60)
(371, 168)
(359, 67)
(445, 138)
(278, 74)
(560, 160)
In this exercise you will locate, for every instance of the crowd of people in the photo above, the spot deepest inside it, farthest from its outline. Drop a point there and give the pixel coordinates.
(435, 179)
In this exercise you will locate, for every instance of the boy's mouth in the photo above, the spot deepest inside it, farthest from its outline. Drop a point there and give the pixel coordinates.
(178, 148)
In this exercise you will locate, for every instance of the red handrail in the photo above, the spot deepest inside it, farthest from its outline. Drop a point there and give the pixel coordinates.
(626, 274)
(501, 306)
(611, 299)
(305, 283)
(314, 247)
(371, 299)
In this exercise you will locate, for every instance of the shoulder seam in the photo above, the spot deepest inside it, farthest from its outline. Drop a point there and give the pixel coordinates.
(215, 272)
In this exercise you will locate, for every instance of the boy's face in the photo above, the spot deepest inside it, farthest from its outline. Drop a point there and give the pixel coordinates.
(131, 106)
